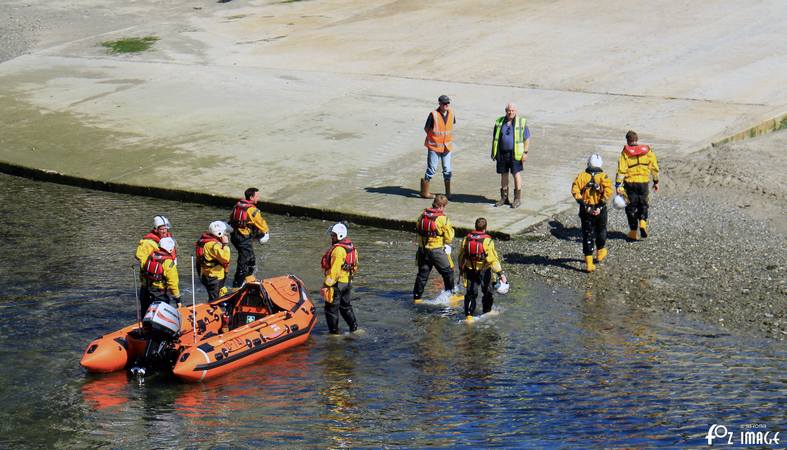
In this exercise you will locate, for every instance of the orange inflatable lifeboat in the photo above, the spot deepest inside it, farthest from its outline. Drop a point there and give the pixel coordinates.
(260, 319)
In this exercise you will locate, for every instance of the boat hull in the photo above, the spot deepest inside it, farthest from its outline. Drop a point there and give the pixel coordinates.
(268, 317)
(112, 352)
(207, 360)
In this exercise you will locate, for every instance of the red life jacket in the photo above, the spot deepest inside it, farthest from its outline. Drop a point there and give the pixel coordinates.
(350, 259)
(155, 237)
(200, 250)
(636, 150)
(427, 223)
(152, 236)
(240, 213)
(154, 266)
(474, 249)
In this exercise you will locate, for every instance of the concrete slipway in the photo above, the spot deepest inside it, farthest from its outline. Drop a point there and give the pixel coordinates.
(321, 104)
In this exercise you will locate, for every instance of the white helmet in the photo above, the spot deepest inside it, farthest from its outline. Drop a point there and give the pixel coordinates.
(339, 229)
(502, 288)
(161, 221)
(595, 161)
(619, 202)
(218, 228)
(167, 244)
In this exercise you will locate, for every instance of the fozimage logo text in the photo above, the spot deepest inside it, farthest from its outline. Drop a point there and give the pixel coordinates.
(750, 434)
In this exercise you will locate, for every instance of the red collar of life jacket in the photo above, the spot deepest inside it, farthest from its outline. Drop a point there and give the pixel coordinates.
(207, 237)
(152, 236)
(434, 212)
(244, 204)
(349, 260)
(346, 243)
(478, 235)
(163, 254)
(636, 150)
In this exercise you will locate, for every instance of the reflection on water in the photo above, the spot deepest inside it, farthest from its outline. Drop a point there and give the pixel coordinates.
(550, 368)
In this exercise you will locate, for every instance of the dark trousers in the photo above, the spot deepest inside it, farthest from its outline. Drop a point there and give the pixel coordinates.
(637, 207)
(212, 285)
(426, 259)
(157, 295)
(341, 303)
(594, 230)
(476, 279)
(144, 300)
(246, 259)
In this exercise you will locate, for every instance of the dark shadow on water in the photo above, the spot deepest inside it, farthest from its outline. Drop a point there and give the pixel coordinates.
(574, 233)
(412, 193)
(541, 260)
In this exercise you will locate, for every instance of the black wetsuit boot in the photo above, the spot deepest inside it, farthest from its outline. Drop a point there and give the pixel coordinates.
(332, 315)
(343, 290)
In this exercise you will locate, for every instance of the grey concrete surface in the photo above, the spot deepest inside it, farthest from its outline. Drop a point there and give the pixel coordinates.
(321, 104)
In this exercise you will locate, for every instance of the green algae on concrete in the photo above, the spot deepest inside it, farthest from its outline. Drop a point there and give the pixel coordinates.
(61, 141)
(130, 45)
(776, 123)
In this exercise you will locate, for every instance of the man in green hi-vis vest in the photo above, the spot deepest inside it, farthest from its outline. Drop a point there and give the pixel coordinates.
(510, 142)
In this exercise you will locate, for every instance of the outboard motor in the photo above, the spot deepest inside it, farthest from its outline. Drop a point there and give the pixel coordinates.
(161, 327)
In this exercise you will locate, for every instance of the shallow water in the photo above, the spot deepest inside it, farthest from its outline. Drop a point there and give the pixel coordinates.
(548, 368)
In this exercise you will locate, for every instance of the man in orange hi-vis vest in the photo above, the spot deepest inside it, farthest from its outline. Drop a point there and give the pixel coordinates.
(439, 144)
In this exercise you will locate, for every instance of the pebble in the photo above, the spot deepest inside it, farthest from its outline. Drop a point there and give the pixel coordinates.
(707, 248)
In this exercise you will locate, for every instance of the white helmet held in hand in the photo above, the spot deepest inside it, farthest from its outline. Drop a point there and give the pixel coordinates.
(218, 228)
(167, 244)
(595, 161)
(339, 229)
(502, 288)
(161, 221)
(619, 202)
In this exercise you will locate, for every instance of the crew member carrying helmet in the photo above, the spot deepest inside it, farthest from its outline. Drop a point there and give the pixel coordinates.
(637, 165)
(592, 189)
(213, 258)
(435, 234)
(479, 265)
(161, 274)
(247, 225)
(147, 245)
(339, 264)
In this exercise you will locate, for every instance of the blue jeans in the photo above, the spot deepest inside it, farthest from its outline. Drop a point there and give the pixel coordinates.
(432, 158)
